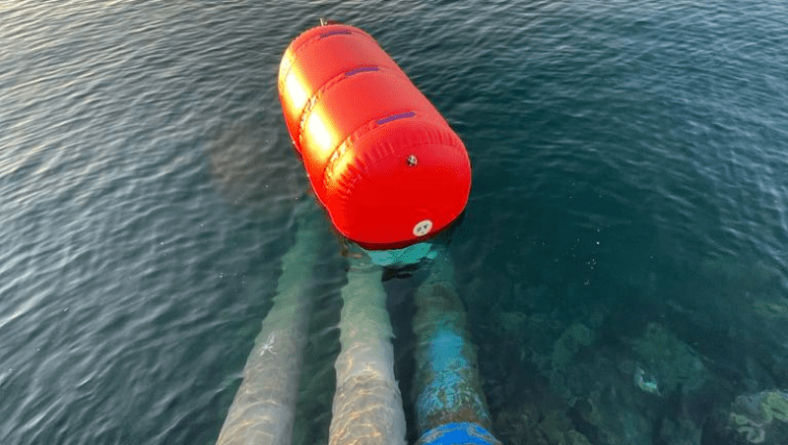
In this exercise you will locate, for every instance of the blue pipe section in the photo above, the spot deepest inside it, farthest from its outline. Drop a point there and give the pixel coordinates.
(460, 433)
(451, 408)
(448, 381)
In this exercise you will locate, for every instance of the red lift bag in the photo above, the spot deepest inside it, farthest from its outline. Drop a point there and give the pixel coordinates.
(381, 159)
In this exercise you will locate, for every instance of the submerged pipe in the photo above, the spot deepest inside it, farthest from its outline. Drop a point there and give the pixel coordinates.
(263, 410)
(367, 405)
(451, 408)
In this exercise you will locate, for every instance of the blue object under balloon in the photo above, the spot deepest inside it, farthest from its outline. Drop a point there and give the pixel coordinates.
(402, 257)
(458, 434)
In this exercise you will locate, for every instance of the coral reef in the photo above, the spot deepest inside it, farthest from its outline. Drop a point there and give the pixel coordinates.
(662, 368)
(761, 416)
(624, 393)
(575, 337)
(646, 382)
(528, 425)
(673, 363)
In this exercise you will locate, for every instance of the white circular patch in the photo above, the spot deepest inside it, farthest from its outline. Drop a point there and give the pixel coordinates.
(422, 228)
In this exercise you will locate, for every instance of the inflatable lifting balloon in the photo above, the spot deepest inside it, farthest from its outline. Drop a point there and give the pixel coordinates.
(380, 158)
(391, 174)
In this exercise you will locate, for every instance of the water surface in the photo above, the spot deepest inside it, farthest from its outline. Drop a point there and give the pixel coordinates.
(629, 211)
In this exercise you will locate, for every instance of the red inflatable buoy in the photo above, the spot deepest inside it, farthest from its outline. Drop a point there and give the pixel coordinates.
(380, 158)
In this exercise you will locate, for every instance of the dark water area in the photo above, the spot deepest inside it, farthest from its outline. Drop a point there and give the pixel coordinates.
(622, 257)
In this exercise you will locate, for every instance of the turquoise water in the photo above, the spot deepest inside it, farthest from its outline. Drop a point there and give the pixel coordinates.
(627, 225)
